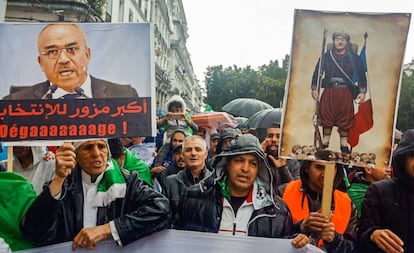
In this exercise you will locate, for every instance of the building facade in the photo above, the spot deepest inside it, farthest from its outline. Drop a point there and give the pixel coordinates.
(174, 74)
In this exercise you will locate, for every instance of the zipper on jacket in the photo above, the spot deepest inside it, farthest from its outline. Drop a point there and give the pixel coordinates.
(234, 228)
(257, 217)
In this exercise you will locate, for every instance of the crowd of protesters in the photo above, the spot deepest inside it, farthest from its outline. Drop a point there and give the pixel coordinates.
(224, 182)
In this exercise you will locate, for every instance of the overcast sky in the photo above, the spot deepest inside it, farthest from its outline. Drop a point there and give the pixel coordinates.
(245, 32)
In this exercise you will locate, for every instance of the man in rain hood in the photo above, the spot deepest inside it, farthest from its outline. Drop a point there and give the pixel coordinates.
(240, 200)
(387, 220)
(90, 200)
(332, 234)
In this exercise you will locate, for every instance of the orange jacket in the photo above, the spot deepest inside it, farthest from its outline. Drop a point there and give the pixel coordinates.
(341, 214)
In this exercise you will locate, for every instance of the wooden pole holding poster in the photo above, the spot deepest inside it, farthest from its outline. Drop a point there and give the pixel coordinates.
(328, 180)
(10, 158)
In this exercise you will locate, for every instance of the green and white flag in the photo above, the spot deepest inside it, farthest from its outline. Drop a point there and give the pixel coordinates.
(16, 196)
(111, 187)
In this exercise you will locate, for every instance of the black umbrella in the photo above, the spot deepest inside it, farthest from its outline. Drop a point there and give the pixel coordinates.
(245, 107)
(241, 121)
(262, 120)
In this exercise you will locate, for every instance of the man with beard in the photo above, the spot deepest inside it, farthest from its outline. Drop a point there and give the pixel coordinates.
(283, 170)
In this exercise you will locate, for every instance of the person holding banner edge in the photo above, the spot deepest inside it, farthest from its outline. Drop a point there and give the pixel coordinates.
(64, 58)
(90, 200)
(238, 198)
(339, 66)
(336, 233)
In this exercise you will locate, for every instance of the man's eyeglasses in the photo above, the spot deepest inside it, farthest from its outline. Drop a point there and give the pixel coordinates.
(55, 53)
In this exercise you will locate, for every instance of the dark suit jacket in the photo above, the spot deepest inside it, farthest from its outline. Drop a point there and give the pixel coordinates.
(100, 89)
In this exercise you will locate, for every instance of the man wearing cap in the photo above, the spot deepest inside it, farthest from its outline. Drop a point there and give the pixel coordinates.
(226, 135)
(90, 200)
(343, 71)
(238, 200)
(164, 157)
(177, 166)
(214, 139)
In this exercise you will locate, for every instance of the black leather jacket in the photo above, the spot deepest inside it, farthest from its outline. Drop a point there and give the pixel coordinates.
(201, 207)
(176, 185)
(141, 212)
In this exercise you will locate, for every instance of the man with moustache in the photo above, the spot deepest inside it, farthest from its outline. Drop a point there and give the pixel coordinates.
(283, 170)
(90, 200)
(64, 58)
(238, 199)
(343, 81)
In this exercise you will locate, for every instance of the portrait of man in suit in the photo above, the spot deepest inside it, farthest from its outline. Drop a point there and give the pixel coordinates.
(64, 57)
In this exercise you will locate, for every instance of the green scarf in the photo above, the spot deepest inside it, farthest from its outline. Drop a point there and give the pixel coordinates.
(225, 189)
(356, 192)
(16, 196)
(111, 186)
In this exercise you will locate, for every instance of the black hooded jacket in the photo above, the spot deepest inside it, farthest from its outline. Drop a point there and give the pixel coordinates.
(389, 204)
(201, 206)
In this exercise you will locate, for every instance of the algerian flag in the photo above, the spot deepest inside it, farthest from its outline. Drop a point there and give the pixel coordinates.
(111, 187)
(16, 196)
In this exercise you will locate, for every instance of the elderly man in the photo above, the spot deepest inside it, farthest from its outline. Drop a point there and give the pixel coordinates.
(240, 201)
(194, 151)
(90, 200)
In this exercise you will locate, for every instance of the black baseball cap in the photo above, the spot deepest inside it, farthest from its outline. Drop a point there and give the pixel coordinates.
(215, 136)
(178, 148)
